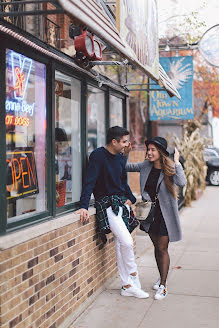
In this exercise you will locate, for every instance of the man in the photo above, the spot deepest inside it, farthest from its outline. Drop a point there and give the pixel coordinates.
(106, 179)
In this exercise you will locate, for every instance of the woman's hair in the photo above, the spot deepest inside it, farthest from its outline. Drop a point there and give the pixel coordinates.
(168, 167)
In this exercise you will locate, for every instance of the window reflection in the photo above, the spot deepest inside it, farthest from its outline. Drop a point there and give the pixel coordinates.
(96, 118)
(67, 139)
(116, 112)
(25, 135)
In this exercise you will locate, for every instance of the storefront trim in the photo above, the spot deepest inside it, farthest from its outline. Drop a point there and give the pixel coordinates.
(3, 217)
(58, 56)
(20, 44)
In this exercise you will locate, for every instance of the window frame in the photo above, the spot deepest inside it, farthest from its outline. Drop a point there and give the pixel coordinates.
(118, 94)
(26, 51)
(57, 211)
(52, 65)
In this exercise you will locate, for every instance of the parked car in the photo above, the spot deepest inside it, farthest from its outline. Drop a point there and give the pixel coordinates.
(211, 156)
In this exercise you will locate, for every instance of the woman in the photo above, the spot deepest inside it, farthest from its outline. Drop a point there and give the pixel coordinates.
(159, 176)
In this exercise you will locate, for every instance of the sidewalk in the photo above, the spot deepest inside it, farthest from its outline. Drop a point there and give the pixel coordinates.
(193, 299)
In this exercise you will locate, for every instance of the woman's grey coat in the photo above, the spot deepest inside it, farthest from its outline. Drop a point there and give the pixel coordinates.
(168, 204)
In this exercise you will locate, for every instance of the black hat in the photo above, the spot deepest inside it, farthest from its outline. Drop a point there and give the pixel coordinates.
(160, 142)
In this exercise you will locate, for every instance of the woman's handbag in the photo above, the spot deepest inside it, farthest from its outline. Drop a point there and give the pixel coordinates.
(145, 212)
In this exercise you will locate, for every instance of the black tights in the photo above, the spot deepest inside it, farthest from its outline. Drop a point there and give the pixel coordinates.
(161, 255)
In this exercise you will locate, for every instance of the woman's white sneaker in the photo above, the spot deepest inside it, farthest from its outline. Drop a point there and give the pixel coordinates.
(136, 281)
(157, 284)
(161, 293)
(133, 291)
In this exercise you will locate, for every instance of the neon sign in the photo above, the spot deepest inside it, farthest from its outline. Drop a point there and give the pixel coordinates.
(21, 69)
(15, 106)
(18, 69)
(19, 86)
(21, 173)
(17, 120)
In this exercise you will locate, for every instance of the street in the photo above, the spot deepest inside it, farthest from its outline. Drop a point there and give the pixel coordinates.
(193, 299)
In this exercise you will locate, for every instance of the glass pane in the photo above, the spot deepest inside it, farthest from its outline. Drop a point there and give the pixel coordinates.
(96, 118)
(116, 117)
(25, 135)
(68, 139)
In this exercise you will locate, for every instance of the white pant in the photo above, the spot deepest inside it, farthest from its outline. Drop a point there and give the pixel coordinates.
(123, 244)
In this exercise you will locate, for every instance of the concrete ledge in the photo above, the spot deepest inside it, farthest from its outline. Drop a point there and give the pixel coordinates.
(18, 237)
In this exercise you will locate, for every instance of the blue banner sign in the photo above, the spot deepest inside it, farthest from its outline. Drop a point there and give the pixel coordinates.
(162, 106)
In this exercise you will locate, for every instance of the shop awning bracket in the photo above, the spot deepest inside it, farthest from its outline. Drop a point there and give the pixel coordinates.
(144, 84)
(140, 84)
(147, 90)
(34, 12)
(108, 63)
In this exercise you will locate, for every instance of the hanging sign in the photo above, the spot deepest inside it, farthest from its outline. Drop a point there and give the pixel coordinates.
(162, 106)
(21, 173)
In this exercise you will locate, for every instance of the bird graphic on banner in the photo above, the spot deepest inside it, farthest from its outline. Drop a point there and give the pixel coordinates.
(179, 73)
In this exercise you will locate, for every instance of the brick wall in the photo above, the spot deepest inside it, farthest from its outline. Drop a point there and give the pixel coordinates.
(134, 181)
(45, 279)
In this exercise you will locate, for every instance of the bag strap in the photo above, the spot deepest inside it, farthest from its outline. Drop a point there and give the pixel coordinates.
(156, 195)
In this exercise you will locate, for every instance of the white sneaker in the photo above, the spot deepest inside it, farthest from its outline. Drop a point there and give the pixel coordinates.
(161, 293)
(136, 281)
(157, 284)
(133, 291)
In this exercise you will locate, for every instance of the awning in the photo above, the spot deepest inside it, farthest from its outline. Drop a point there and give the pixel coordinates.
(91, 14)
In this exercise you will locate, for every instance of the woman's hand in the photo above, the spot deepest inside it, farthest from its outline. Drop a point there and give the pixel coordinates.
(176, 156)
(127, 149)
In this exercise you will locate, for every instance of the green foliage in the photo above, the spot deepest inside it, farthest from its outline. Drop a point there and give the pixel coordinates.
(192, 27)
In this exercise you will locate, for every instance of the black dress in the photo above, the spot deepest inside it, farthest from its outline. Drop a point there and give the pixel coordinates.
(158, 226)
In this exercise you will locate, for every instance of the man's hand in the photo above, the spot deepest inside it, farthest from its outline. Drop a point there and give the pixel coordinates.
(84, 215)
(128, 202)
(127, 149)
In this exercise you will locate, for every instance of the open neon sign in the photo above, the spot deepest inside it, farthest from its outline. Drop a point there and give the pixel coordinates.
(21, 173)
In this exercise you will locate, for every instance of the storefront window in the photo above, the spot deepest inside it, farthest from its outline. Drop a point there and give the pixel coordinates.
(96, 118)
(68, 140)
(25, 135)
(116, 113)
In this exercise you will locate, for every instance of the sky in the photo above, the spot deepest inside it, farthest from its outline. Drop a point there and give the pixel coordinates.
(208, 11)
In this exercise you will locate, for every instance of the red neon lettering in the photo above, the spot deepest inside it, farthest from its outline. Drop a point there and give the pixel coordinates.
(16, 177)
(16, 120)
(9, 119)
(19, 85)
(23, 172)
(30, 171)
(8, 189)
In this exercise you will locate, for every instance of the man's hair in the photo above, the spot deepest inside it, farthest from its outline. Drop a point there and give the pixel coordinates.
(116, 132)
